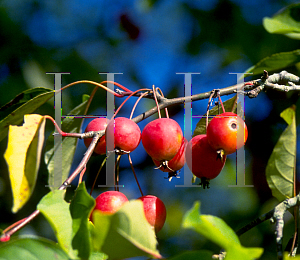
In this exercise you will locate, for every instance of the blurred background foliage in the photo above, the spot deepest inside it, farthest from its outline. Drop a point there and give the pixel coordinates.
(149, 41)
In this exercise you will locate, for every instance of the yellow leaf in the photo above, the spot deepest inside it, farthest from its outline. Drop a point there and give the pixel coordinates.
(23, 157)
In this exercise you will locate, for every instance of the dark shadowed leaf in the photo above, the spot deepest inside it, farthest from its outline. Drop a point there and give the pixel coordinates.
(274, 62)
(281, 164)
(26, 102)
(193, 255)
(69, 125)
(80, 208)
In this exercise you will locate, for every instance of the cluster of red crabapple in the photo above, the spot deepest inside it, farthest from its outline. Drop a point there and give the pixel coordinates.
(163, 140)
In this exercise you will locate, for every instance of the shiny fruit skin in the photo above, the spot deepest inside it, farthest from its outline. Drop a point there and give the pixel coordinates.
(155, 211)
(177, 162)
(109, 202)
(97, 124)
(222, 132)
(202, 160)
(162, 139)
(126, 133)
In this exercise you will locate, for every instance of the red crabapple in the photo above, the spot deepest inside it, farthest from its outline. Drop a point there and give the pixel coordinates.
(162, 139)
(202, 160)
(97, 124)
(177, 162)
(109, 202)
(155, 211)
(126, 134)
(222, 132)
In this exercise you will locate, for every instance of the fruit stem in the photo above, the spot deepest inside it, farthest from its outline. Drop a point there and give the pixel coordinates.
(62, 133)
(220, 100)
(208, 104)
(156, 102)
(81, 174)
(132, 168)
(94, 183)
(117, 173)
(138, 100)
(166, 109)
(13, 225)
(96, 84)
(17, 226)
(117, 84)
(132, 94)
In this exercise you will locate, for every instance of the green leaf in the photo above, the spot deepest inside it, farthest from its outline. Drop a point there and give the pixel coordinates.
(287, 257)
(281, 165)
(193, 255)
(286, 21)
(216, 230)
(69, 125)
(98, 256)
(275, 62)
(26, 102)
(229, 106)
(22, 156)
(56, 210)
(31, 248)
(124, 234)
(289, 114)
(80, 208)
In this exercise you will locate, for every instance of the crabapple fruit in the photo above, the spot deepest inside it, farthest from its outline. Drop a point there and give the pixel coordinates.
(162, 139)
(222, 132)
(177, 162)
(97, 124)
(126, 134)
(202, 159)
(155, 211)
(109, 202)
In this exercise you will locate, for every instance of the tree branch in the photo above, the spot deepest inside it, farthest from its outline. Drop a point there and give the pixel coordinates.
(276, 216)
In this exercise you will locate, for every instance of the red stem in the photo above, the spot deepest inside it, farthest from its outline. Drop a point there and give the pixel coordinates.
(131, 164)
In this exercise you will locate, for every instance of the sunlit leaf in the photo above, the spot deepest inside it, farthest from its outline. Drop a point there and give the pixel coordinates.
(125, 234)
(56, 210)
(281, 164)
(217, 231)
(229, 106)
(31, 248)
(286, 256)
(26, 102)
(286, 21)
(274, 62)
(289, 114)
(69, 125)
(80, 208)
(22, 155)
(98, 256)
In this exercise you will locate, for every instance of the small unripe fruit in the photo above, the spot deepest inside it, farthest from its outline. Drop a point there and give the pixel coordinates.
(155, 211)
(162, 139)
(97, 124)
(222, 132)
